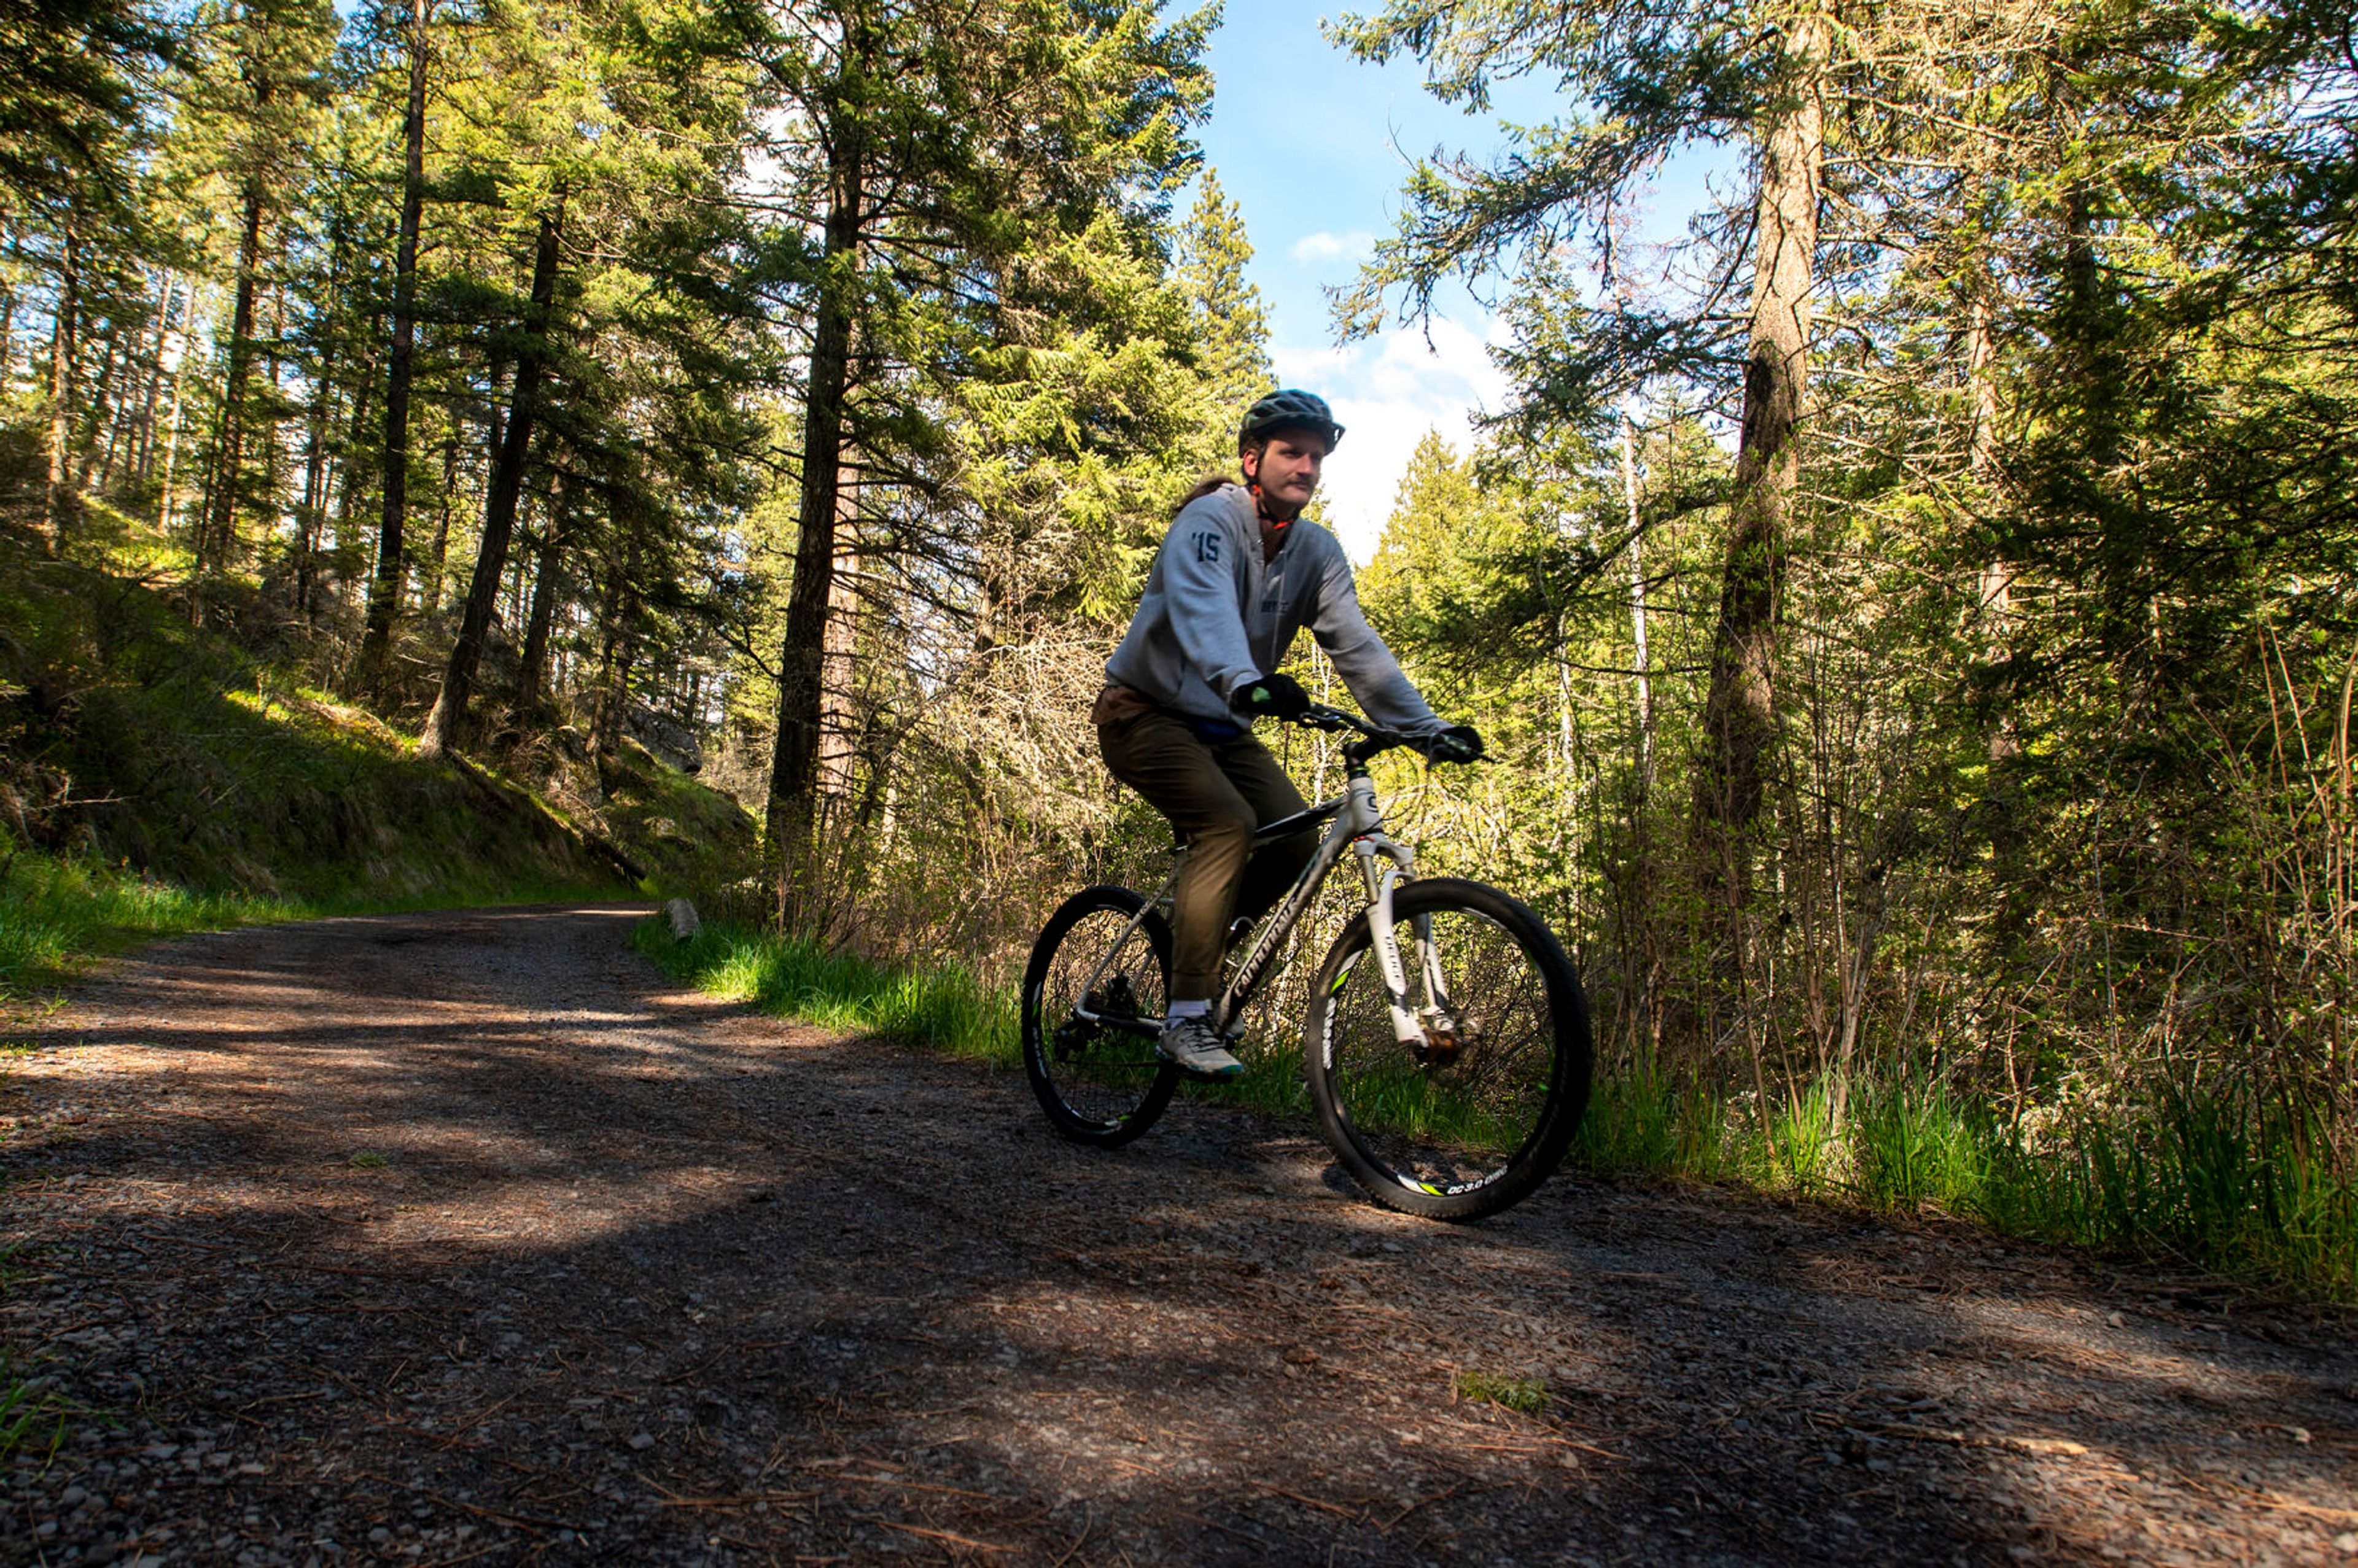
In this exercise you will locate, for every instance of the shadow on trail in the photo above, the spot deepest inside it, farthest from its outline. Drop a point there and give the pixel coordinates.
(461, 1228)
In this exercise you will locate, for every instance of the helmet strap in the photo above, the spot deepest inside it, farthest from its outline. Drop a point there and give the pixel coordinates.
(1260, 502)
(1261, 507)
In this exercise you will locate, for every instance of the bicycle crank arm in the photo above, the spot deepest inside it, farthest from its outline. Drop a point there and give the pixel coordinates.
(1145, 1028)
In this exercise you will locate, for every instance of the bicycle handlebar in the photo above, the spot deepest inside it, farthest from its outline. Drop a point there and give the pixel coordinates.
(1373, 742)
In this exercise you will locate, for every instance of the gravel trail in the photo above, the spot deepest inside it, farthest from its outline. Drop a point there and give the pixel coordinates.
(464, 1237)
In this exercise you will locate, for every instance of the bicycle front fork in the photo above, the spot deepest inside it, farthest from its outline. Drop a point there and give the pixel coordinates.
(1429, 1032)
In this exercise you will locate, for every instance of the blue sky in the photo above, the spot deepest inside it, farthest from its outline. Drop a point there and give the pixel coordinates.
(1313, 146)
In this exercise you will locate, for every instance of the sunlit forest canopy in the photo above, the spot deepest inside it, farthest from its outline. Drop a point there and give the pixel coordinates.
(1907, 581)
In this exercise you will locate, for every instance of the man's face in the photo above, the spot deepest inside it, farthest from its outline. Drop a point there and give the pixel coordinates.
(1287, 469)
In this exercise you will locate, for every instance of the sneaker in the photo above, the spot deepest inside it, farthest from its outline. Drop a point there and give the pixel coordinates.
(1190, 1045)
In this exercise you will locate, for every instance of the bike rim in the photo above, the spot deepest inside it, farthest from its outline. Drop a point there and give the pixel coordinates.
(1455, 1119)
(1100, 1074)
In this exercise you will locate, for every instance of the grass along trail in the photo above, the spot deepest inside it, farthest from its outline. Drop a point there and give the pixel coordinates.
(2222, 1181)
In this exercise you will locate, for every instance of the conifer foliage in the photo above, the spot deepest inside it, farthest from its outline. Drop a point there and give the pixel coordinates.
(2002, 619)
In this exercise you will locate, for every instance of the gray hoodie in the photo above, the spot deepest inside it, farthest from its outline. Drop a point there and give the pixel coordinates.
(1214, 616)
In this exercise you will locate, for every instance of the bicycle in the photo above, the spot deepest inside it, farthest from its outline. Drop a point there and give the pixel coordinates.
(1448, 1080)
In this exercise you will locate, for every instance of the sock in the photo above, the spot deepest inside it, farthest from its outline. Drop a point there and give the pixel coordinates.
(1193, 1009)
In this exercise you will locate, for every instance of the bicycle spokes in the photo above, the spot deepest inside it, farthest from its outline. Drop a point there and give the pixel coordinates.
(1093, 999)
(1468, 1100)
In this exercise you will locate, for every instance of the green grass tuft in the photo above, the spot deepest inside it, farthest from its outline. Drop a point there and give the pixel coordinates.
(944, 1006)
(1526, 1396)
(31, 1416)
(2199, 1172)
(1641, 1124)
(56, 913)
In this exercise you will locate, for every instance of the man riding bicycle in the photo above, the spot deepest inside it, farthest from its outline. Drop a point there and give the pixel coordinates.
(1236, 576)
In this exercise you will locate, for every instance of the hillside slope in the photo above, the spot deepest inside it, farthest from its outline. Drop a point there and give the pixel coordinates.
(132, 741)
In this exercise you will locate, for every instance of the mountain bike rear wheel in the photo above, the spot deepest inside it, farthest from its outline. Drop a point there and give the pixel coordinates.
(1473, 1119)
(1099, 1081)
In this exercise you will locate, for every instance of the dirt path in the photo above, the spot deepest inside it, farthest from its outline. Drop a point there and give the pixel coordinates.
(440, 1239)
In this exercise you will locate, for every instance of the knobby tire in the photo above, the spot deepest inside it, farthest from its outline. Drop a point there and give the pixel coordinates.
(1099, 1085)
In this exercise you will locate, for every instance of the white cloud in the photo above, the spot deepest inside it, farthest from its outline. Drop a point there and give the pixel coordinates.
(1387, 392)
(1324, 246)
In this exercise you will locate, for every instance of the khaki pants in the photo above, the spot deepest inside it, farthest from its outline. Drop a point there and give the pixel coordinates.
(1215, 792)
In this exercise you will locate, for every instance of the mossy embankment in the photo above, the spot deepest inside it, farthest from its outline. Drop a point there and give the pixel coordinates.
(157, 775)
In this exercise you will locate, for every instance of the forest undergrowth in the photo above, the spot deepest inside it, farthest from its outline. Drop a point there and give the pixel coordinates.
(159, 777)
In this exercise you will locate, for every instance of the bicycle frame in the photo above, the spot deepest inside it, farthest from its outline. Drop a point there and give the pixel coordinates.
(1357, 827)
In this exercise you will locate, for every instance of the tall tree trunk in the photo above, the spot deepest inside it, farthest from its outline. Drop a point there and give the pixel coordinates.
(794, 772)
(164, 496)
(546, 583)
(274, 453)
(353, 474)
(384, 587)
(315, 484)
(1981, 462)
(1739, 714)
(837, 727)
(610, 701)
(313, 516)
(216, 536)
(1637, 603)
(143, 450)
(62, 504)
(106, 405)
(432, 590)
(443, 725)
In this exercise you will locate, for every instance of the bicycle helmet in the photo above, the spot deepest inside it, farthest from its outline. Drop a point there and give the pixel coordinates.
(1287, 409)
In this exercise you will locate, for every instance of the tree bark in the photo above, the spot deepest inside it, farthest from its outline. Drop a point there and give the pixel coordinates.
(315, 485)
(1981, 461)
(106, 405)
(143, 450)
(443, 725)
(364, 382)
(610, 701)
(1739, 712)
(384, 586)
(793, 772)
(164, 498)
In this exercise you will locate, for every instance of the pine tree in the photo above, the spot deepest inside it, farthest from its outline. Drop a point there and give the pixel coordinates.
(252, 100)
(929, 130)
(1232, 322)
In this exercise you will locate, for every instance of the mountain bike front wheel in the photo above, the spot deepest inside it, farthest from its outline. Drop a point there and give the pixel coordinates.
(1473, 1117)
(1094, 997)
